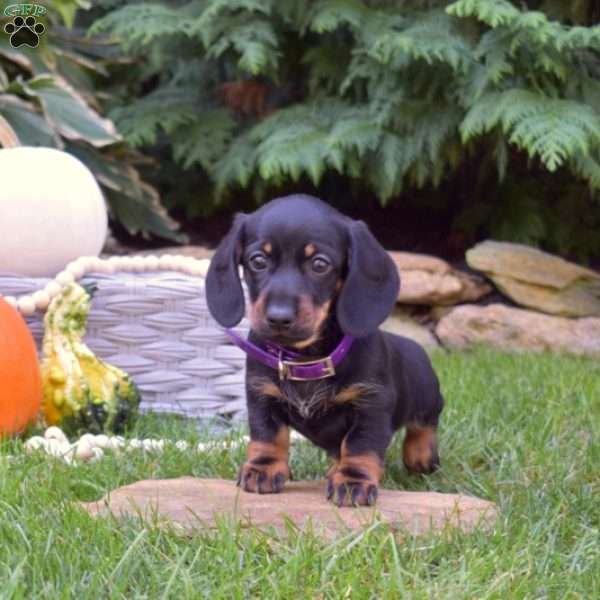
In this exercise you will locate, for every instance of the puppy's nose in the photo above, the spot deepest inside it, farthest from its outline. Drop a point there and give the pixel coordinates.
(280, 316)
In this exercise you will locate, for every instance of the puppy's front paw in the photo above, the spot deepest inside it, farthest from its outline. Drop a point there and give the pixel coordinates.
(263, 478)
(350, 489)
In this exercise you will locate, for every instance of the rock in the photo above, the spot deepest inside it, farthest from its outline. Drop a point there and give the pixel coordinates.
(430, 280)
(402, 324)
(412, 261)
(510, 328)
(195, 503)
(537, 279)
(436, 313)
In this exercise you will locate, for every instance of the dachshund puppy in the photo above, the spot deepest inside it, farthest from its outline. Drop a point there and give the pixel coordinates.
(319, 286)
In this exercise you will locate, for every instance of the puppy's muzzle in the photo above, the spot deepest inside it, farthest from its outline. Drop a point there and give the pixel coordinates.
(280, 317)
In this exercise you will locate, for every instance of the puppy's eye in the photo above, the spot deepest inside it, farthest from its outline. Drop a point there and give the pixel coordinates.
(320, 264)
(258, 262)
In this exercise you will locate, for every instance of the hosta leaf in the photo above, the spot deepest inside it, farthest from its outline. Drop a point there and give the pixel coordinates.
(8, 137)
(87, 49)
(68, 112)
(29, 126)
(138, 215)
(133, 202)
(27, 59)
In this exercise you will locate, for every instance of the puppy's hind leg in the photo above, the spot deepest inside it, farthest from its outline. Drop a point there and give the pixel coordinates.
(420, 448)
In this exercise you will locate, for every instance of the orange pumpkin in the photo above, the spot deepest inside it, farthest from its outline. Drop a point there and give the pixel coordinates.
(20, 380)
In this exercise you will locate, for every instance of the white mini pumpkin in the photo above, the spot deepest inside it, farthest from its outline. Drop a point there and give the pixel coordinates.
(51, 211)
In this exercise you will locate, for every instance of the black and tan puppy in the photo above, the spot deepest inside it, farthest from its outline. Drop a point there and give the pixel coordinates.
(316, 277)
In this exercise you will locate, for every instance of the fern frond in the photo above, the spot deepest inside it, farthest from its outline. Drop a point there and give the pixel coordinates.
(588, 168)
(429, 125)
(327, 64)
(365, 20)
(302, 140)
(530, 27)
(482, 117)
(290, 152)
(294, 141)
(166, 108)
(491, 12)
(388, 165)
(217, 8)
(237, 165)
(364, 69)
(416, 145)
(494, 64)
(329, 15)
(252, 39)
(140, 24)
(552, 129)
(354, 131)
(256, 44)
(431, 37)
(293, 14)
(204, 140)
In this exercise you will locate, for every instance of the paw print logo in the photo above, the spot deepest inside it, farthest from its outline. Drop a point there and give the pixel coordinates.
(24, 32)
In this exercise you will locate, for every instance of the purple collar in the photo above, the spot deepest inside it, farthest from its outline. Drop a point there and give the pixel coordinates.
(282, 360)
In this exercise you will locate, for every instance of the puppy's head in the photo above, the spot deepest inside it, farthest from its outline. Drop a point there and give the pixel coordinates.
(303, 262)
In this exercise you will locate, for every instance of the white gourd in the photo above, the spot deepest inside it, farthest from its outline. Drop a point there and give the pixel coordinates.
(51, 211)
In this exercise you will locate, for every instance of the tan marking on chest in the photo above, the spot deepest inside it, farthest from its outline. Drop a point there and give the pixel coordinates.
(349, 394)
(357, 393)
(265, 387)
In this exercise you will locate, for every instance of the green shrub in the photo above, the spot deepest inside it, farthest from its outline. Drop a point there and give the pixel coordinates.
(491, 101)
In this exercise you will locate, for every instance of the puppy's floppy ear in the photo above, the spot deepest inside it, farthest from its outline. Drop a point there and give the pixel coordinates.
(224, 293)
(371, 286)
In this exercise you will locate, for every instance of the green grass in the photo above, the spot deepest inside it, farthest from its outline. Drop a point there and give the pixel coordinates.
(520, 430)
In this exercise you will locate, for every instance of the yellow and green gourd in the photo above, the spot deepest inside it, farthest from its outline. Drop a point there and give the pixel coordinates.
(80, 391)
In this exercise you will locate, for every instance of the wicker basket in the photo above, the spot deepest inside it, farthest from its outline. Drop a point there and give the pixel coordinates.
(157, 328)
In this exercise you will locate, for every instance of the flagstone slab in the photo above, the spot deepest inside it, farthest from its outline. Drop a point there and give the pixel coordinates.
(193, 504)
(538, 280)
